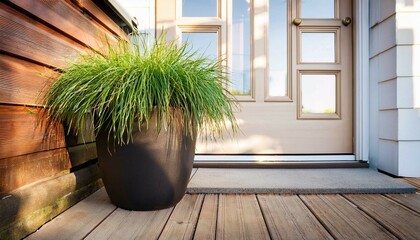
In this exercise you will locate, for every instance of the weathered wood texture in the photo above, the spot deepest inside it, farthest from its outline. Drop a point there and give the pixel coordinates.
(184, 218)
(23, 211)
(411, 201)
(23, 131)
(22, 82)
(96, 13)
(64, 18)
(23, 36)
(19, 171)
(414, 181)
(80, 218)
(123, 224)
(35, 37)
(206, 226)
(402, 222)
(240, 216)
(288, 218)
(343, 220)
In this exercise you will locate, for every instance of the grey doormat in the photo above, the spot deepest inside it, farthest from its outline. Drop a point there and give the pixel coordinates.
(296, 181)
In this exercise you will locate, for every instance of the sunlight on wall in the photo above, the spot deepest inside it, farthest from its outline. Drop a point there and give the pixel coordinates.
(408, 35)
(143, 11)
(246, 144)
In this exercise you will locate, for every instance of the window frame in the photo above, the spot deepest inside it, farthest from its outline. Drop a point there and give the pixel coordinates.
(289, 96)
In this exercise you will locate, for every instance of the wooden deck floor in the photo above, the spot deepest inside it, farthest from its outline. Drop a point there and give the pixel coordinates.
(240, 216)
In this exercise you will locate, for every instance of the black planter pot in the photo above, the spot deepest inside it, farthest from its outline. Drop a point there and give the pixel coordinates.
(150, 173)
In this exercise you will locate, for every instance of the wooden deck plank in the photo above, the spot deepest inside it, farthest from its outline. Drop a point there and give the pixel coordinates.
(206, 226)
(400, 221)
(79, 220)
(288, 218)
(411, 201)
(343, 220)
(239, 217)
(183, 221)
(124, 224)
(413, 181)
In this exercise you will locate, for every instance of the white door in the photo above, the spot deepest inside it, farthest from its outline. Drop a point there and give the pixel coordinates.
(291, 64)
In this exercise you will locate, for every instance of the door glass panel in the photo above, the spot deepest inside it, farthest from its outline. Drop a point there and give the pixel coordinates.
(241, 48)
(278, 48)
(318, 93)
(199, 8)
(203, 42)
(317, 8)
(317, 47)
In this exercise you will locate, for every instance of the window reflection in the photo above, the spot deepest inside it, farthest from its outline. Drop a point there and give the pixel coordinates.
(277, 48)
(241, 48)
(317, 9)
(203, 42)
(318, 47)
(199, 8)
(318, 93)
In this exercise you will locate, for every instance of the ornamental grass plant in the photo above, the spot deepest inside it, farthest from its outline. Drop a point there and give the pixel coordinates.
(128, 82)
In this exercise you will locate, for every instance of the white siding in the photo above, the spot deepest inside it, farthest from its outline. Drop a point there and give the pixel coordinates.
(395, 86)
(388, 156)
(388, 95)
(388, 124)
(409, 158)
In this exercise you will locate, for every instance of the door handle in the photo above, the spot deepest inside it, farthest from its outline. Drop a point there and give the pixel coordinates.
(297, 21)
(346, 21)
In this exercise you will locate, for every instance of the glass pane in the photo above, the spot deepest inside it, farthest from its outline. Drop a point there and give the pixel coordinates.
(278, 48)
(199, 8)
(241, 48)
(318, 47)
(205, 43)
(317, 9)
(318, 93)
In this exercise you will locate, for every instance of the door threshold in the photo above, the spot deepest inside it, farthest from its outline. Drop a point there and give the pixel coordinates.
(279, 161)
(274, 158)
(277, 164)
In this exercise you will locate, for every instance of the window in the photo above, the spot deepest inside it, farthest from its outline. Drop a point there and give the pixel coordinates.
(279, 85)
(240, 46)
(205, 43)
(319, 96)
(253, 36)
(199, 8)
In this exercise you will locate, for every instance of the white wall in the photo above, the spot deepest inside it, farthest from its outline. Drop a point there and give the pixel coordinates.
(395, 86)
(144, 12)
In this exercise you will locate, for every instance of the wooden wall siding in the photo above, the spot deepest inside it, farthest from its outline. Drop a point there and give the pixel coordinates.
(82, 153)
(19, 171)
(21, 36)
(96, 13)
(68, 20)
(21, 132)
(21, 82)
(36, 36)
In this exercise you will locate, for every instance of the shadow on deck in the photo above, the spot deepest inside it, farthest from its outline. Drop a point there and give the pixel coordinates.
(250, 216)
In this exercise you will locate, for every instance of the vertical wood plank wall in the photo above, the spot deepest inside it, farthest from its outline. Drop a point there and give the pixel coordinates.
(36, 37)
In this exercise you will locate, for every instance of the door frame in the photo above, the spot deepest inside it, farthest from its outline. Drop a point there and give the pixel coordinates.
(360, 96)
(361, 79)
